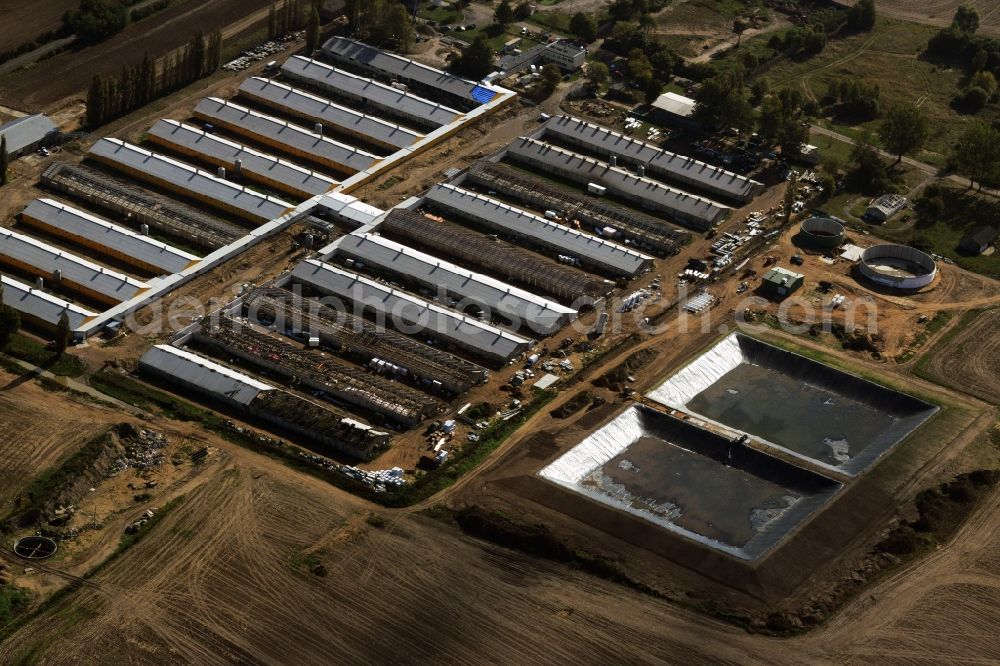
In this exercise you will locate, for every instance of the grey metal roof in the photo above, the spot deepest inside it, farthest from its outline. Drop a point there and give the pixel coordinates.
(397, 66)
(25, 131)
(174, 174)
(318, 109)
(223, 152)
(671, 165)
(287, 136)
(539, 314)
(676, 104)
(384, 97)
(484, 339)
(208, 376)
(562, 239)
(81, 225)
(45, 259)
(650, 193)
(41, 306)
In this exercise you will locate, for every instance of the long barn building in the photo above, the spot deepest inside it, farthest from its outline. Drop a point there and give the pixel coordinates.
(125, 245)
(603, 255)
(539, 315)
(313, 109)
(285, 136)
(65, 269)
(268, 170)
(411, 109)
(483, 340)
(680, 169)
(188, 181)
(692, 211)
(41, 308)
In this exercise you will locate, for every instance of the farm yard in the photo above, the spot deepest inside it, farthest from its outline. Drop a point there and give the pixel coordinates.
(317, 482)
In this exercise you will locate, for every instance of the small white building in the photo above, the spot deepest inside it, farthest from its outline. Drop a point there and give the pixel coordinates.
(884, 207)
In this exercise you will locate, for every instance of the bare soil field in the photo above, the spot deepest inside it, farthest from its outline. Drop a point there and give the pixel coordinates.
(967, 358)
(38, 429)
(69, 74)
(939, 12)
(225, 577)
(23, 21)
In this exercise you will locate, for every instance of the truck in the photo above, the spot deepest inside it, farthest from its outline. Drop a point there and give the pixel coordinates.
(594, 188)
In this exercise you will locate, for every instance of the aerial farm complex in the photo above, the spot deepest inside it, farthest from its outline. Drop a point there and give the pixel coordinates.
(617, 337)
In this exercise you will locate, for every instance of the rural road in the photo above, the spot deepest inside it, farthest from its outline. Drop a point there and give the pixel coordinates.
(33, 371)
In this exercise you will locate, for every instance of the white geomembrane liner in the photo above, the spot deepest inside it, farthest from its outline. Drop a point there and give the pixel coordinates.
(699, 374)
(597, 449)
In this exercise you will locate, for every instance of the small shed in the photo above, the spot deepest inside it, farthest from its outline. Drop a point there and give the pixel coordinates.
(27, 134)
(884, 207)
(674, 109)
(780, 282)
(978, 240)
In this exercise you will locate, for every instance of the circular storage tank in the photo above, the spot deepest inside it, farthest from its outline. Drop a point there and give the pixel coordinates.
(35, 548)
(897, 266)
(820, 233)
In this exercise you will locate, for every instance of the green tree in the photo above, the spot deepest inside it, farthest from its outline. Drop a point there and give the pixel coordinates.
(904, 130)
(272, 22)
(504, 13)
(782, 121)
(312, 32)
(739, 27)
(639, 68)
(976, 155)
(4, 158)
(869, 173)
(10, 322)
(722, 102)
(598, 74)
(147, 79)
(98, 19)
(63, 333)
(551, 76)
(966, 20)
(199, 55)
(476, 60)
(583, 27)
(653, 91)
(861, 16)
(399, 27)
(97, 102)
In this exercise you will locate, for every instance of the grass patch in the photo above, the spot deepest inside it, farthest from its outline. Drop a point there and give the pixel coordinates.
(889, 56)
(964, 322)
(24, 348)
(13, 602)
(932, 326)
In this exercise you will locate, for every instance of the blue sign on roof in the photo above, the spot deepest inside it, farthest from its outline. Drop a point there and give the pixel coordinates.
(483, 95)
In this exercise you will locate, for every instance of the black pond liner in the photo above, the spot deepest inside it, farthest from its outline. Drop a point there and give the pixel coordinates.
(815, 489)
(35, 548)
(906, 411)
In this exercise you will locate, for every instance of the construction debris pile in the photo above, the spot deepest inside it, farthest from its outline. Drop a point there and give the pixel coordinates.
(143, 449)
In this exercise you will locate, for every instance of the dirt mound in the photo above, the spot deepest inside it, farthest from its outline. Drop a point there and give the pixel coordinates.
(617, 377)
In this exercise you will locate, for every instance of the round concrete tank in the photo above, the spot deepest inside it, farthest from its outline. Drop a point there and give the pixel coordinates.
(897, 266)
(820, 233)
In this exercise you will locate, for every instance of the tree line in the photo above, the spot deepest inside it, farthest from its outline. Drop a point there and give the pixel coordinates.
(290, 15)
(381, 23)
(111, 97)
